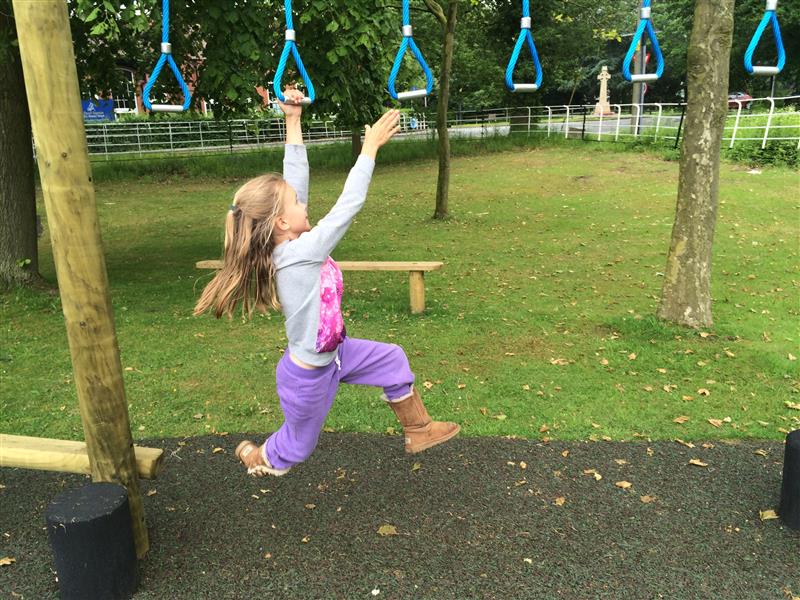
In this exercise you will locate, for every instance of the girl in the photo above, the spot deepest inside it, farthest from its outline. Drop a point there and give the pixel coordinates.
(274, 259)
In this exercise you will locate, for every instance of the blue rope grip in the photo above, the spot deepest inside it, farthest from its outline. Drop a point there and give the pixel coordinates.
(408, 42)
(290, 47)
(644, 24)
(770, 16)
(166, 57)
(524, 37)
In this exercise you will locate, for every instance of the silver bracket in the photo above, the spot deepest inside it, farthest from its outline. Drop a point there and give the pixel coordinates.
(407, 31)
(166, 48)
(290, 36)
(525, 23)
(645, 14)
(772, 4)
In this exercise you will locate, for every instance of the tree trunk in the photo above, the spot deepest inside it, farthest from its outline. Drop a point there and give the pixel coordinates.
(355, 139)
(686, 295)
(443, 183)
(19, 257)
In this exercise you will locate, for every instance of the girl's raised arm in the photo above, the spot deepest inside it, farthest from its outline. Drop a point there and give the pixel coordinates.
(295, 161)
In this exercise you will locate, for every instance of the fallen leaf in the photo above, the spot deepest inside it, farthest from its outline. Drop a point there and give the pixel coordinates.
(523, 465)
(7, 560)
(484, 411)
(528, 560)
(560, 501)
(595, 474)
(427, 385)
(559, 361)
(500, 417)
(461, 386)
(662, 371)
(762, 452)
(620, 461)
(543, 429)
(647, 499)
(687, 444)
(697, 462)
(198, 416)
(387, 530)
(306, 539)
(623, 484)
(565, 453)
(680, 420)
(792, 405)
(632, 356)
(792, 356)
(715, 422)
(152, 492)
(765, 515)
(311, 506)
(703, 392)
(217, 450)
(416, 467)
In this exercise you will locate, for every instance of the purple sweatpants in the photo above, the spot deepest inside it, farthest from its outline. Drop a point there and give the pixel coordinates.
(307, 395)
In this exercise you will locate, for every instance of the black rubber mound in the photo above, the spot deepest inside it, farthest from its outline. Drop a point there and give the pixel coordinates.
(474, 518)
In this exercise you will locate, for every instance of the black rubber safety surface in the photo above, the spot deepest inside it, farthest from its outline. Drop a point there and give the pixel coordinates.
(473, 518)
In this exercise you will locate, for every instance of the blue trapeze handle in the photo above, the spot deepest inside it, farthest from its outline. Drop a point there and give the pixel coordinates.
(644, 23)
(166, 57)
(408, 42)
(290, 47)
(524, 37)
(770, 16)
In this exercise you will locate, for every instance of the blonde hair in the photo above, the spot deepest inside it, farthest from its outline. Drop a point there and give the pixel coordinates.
(248, 272)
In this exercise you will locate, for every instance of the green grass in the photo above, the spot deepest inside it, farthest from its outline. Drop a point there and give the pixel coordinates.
(553, 254)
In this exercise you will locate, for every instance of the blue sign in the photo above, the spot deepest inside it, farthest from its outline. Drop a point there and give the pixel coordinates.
(98, 110)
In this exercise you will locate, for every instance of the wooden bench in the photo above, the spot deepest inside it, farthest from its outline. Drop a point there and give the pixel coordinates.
(66, 456)
(416, 274)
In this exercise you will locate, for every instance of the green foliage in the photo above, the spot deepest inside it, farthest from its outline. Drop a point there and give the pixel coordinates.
(780, 153)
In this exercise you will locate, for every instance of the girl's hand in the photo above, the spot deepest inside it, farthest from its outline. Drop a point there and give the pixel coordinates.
(381, 132)
(291, 108)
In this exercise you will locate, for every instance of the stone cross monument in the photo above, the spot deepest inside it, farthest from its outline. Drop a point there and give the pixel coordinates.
(603, 108)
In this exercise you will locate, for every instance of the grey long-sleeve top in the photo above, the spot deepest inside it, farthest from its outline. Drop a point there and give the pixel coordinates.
(309, 282)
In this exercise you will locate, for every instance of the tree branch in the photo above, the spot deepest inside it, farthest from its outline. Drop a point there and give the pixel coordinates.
(437, 11)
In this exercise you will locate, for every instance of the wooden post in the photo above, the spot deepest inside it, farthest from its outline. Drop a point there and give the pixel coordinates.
(51, 81)
(416, 290)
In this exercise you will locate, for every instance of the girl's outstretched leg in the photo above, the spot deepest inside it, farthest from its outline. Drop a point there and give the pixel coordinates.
(385, 365)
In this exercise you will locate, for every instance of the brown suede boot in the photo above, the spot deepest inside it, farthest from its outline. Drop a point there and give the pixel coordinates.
(421, 432)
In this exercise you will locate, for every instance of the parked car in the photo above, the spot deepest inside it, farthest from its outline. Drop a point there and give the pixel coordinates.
(743, 97)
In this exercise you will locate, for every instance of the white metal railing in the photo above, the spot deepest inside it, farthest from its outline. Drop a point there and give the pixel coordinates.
(762, 120)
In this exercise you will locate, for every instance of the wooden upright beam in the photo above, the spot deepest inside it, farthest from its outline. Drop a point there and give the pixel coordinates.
(51, 81)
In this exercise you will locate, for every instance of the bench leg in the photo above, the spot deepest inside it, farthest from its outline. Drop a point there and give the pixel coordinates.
(416, 288)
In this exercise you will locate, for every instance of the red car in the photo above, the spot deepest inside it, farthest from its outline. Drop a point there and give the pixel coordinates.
(743, 97)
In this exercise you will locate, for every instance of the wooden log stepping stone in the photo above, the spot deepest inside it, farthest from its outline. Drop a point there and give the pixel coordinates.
(91, 536)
